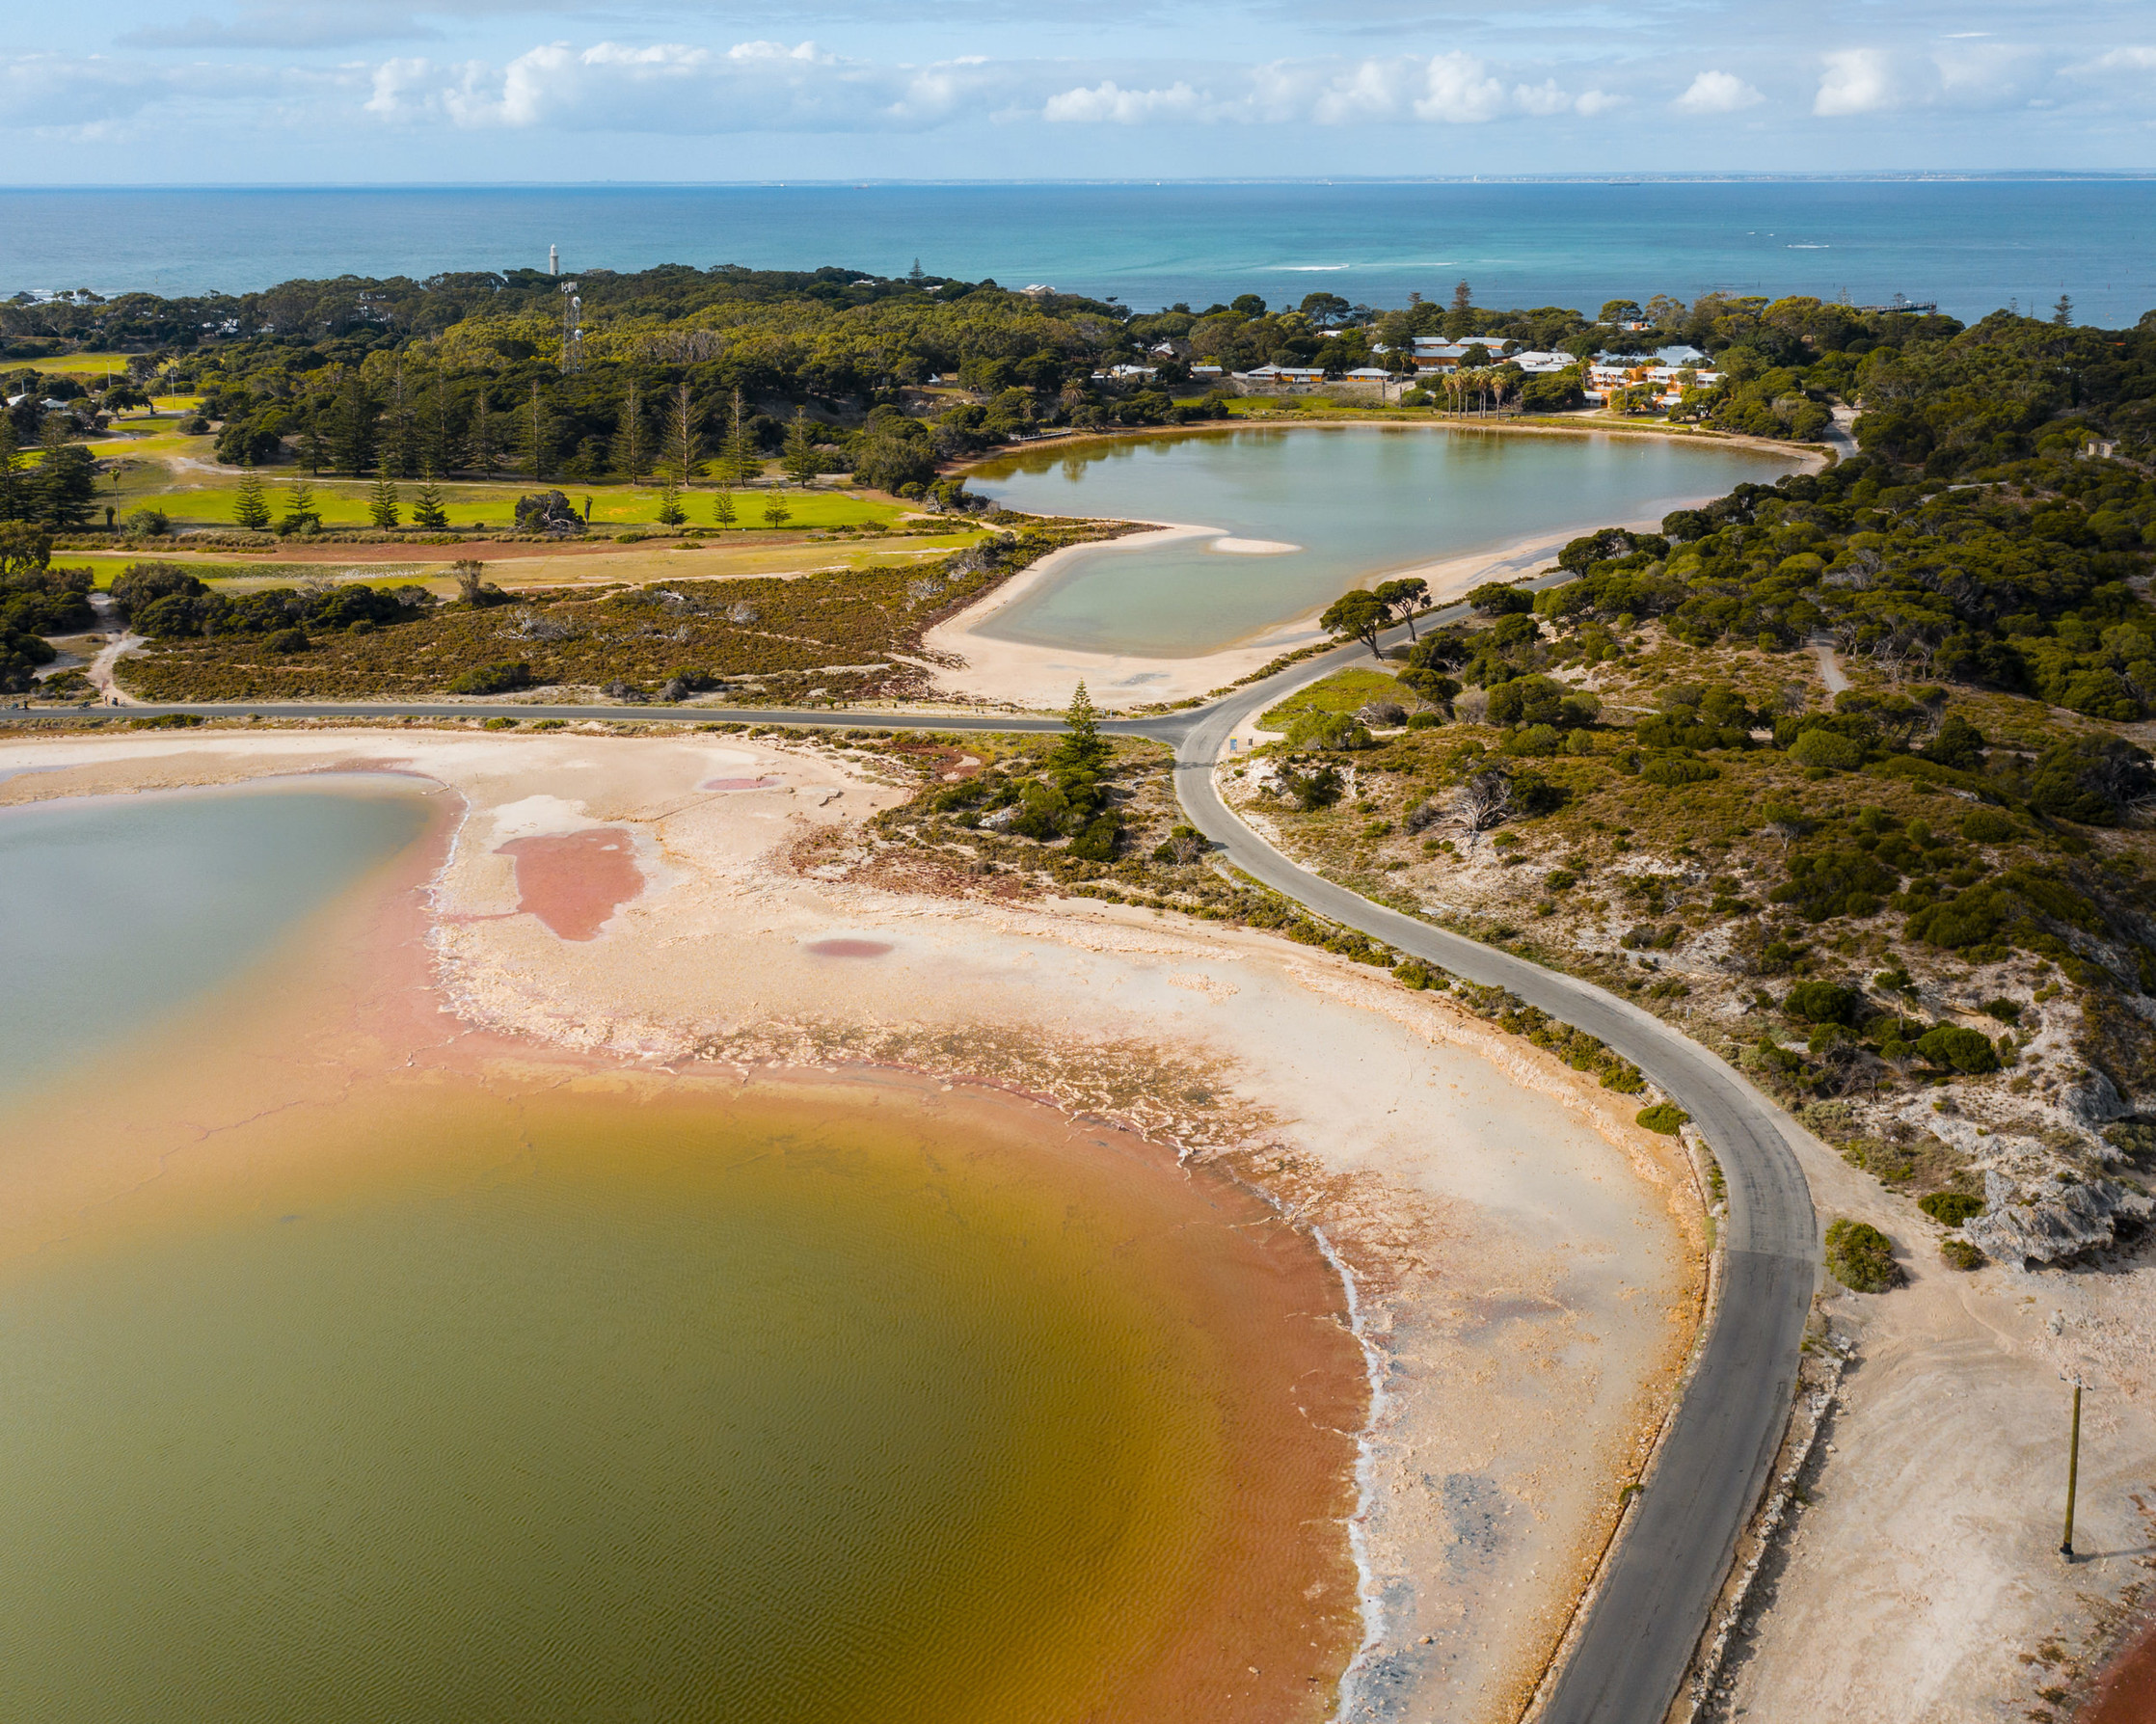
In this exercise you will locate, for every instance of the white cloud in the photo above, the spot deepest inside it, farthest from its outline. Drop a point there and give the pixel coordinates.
(1107, 104)
(1856, 81)
(1717, 92)
(1459, 91)
(1599, 101)
(673, 89)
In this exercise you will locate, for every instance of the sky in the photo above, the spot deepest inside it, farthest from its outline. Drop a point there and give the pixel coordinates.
(295, 91)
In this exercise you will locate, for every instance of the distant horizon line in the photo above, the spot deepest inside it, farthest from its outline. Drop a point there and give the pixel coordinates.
(1643, 176)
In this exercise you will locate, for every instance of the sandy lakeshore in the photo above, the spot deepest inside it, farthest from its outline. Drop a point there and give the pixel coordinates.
(1525, 1262)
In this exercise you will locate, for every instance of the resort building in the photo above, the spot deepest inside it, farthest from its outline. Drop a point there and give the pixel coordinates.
(1665, 383)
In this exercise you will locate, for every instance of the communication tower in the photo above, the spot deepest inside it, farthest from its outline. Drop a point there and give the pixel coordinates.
(572, 328)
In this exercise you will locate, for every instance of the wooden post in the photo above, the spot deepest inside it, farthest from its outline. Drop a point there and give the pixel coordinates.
(2073, 1478)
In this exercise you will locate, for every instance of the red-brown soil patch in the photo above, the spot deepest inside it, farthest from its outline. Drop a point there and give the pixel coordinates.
(847, 948)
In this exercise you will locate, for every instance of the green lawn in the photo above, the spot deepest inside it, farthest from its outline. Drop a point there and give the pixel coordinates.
(1342, 691)
(343, 502)
(77, 365)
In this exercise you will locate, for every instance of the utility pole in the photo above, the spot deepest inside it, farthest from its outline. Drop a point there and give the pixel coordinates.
(2073, 1478)
(572, 328)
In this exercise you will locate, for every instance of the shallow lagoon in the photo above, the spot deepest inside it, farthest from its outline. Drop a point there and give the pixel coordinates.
(349, 1381)
(1356, 500)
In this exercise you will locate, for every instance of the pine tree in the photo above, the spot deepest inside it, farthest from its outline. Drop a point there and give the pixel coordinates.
(251, 509)
(1083, 749)
(681, 450)
(355, 428)
(800, 459)
(775, 511)
(722, 508)
(632, 445)
(381, 502)
(483, 446)
(11, 473)
(315, 449)
(670, 511)
(427, 511)
(535, 429)
(744, 461)
(2062, 312)
(299, 507)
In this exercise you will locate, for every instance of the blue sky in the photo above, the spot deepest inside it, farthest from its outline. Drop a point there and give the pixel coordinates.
(356, 91)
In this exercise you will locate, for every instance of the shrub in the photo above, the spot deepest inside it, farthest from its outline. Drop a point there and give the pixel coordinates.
(153, 522)
(1951, 1208)
(1861, 1257)
(1954, 1048)
(1822, 1003)
(287, 640)
(2007, 1011)
(1824, 748)
(1318, 788)
(1987, 825)
(497, 678)
(1328, 729)
(1672, 771)
(1098, 842)
(1959, 1253)
(1665, 1117)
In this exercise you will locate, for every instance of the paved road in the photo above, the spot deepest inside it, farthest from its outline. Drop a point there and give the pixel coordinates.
(1637, 1637)
(1676, 1550)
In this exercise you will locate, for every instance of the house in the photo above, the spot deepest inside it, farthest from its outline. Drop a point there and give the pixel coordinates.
(1285, 374)
(1432, 353)
(1368, 374)
(1665, 383)
(1207, 371)
(1162, 350)
(1541, 364)
(1128, 373)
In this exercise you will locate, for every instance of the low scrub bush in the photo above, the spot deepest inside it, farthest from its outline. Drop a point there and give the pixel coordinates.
(1959, 1253)
(1951, 1208)
(1861, 1257)
(1665, 1117)
(500, 677)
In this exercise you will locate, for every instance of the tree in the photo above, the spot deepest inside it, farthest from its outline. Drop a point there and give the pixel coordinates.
(682, 440)
(1484, 801)
(66, 486)
(535, 435)
(315, 447)
(743, 461)
(427, 511)
(2063, 313)
(722, 508)
(12, 489)
(1493, 598)
(775, 511)
(1402, 598)
(631, 444)
(1083, 748)
(670, 511)
(1324, 307)
(300, 515)
(251, 509)
(800, 459)
(382, 501)
(1358, 615)
(353, 428)
(483, 443)
(1620, 310)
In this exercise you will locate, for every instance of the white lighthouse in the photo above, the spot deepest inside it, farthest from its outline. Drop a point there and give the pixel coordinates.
(554, 260)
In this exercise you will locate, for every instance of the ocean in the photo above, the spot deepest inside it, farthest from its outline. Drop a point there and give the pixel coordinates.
(1971, 244)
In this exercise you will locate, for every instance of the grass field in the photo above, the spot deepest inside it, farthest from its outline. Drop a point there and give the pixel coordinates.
(197, 495)
(1342, 691)
(72, 364)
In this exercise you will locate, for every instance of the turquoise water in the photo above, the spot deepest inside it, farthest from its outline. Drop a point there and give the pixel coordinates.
(116, 911)
(1357, 500)
(1972, 244)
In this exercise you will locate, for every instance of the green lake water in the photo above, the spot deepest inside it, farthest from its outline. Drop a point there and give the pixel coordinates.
(1359, 500)
(117, 910)
(512, 1401)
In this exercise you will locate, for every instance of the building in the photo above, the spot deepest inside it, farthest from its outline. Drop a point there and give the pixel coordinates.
(1665, 383)
(1434, 353)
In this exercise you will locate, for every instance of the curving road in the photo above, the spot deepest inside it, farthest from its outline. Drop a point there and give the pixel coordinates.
(1675, 1549)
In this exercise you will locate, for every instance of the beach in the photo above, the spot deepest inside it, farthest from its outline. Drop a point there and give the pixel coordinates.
(1527, 1264)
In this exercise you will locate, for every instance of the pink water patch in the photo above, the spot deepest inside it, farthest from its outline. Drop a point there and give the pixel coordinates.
(741, 784)
(574, 882)
(847, 948)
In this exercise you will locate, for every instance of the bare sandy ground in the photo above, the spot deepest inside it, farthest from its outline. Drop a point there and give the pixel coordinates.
(1527, 1261)
(1923, 1584)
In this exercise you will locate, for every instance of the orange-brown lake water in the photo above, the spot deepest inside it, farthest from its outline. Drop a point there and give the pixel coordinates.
(360, 1367)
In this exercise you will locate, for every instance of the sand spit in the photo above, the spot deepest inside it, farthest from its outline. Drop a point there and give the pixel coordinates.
(1526, 1262)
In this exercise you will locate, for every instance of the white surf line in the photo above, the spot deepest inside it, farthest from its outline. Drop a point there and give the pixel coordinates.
(1366, 1488)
